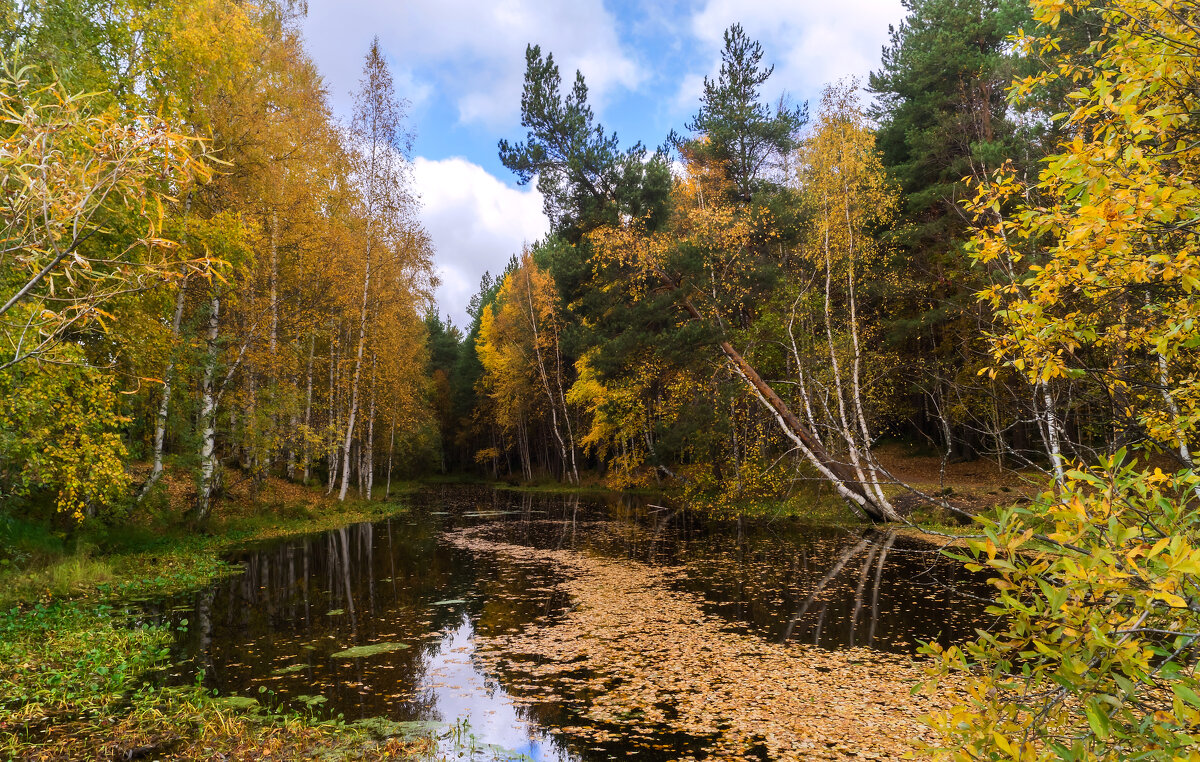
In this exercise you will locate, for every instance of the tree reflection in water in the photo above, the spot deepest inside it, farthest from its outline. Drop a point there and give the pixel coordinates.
(279, 624)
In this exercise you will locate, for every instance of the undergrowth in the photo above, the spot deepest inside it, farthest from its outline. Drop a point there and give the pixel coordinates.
(78, 663)
(75, 683)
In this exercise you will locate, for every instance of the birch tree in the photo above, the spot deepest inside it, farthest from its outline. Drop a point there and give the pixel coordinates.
(68, 167)
(380, 167)
(842, 181)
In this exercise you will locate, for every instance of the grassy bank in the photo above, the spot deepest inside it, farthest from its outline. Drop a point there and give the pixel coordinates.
(976, 487)
(75, 662)
(160, 551)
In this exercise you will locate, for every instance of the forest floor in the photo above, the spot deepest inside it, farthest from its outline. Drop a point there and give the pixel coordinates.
(73, 659)
(973, 485)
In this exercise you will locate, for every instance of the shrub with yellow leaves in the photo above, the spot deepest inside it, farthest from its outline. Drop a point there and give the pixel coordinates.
(59, 436)
(1099, 612)
(1098, 263)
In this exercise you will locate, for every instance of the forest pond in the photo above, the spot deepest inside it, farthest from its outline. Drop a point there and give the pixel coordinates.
(413, 622)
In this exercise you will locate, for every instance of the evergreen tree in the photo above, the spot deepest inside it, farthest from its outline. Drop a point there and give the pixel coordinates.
(444, 341)
(942, 110)
(582, 173)
(943, 116)
(738, 128)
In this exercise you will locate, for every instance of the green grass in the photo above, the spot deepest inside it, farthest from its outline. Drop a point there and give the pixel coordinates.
(77, 573)
(107, 561)
(74, 684)
(75, 662)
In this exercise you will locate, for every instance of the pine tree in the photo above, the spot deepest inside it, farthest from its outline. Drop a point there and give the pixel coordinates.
(737, 128)
(943, 116)
(582, 173)
(942, 108)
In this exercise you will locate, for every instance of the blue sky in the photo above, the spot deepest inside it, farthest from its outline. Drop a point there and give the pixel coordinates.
(460, 64)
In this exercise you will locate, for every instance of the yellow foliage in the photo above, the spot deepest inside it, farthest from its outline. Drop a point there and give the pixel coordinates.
(1098, 266)
(60, 425)
(1099, 258)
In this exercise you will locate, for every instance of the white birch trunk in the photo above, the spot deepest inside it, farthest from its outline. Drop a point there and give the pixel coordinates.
(333, 411)
(391, 449)
(856, 370)
(566, 410)
(362, 340)
(308, 408)
(800, 379)
(208, 415)
(369, 459)
(1053, 440)
(842, 423)
(541, 365)
(1185, 454)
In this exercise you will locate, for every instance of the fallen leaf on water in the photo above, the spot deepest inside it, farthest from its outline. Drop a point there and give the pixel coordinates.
(634, 652)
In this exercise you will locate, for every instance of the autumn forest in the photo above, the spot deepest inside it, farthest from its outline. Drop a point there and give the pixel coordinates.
(938, 323)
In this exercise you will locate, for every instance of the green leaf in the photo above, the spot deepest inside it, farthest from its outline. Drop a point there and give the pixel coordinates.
(369, 650)
(1185, 693)
(1098, 720)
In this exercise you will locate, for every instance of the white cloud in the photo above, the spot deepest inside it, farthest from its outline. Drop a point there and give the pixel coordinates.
(476, 223)
(811, 43)
(687, 97)
(473, 51)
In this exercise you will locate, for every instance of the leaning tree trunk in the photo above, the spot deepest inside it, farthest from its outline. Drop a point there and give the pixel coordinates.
(843, 478)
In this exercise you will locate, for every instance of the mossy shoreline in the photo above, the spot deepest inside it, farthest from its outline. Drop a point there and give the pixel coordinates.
(76, 660)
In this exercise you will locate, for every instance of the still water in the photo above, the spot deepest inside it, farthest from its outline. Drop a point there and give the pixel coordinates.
(380, 622)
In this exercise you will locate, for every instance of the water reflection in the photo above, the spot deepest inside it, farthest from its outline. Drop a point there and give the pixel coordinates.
(786, 580)
(279, 630)
(459, 692)
(282, 623)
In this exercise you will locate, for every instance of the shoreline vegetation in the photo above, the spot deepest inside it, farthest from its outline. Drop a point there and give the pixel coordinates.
(75, 664)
